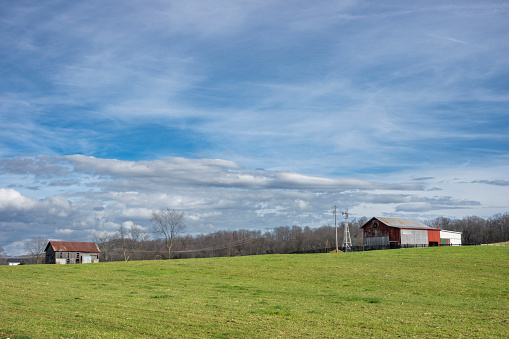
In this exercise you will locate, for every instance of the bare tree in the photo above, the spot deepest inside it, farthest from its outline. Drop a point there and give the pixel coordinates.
(104, 242)
(125, 242)
(130, 239)
(169, 224)
(2, 260)
(35, 248)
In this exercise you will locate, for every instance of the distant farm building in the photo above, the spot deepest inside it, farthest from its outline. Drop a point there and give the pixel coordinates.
(16, 261)
(71, 252)
(381, 232)
(450, 238)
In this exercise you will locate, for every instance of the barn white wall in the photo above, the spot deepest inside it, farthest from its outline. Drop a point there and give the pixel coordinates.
(414, 237)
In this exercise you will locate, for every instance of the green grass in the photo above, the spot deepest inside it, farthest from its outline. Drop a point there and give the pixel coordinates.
(424, 293)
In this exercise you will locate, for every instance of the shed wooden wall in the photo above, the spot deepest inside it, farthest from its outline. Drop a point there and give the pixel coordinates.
(372, 236)
(62, 257)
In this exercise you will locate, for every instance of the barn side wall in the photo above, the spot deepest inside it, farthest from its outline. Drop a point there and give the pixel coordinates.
(62, 257)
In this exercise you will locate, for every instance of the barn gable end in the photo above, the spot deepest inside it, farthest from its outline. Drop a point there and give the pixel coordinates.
(377, 233)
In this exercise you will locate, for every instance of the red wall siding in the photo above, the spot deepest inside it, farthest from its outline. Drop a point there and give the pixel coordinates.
(434, 236)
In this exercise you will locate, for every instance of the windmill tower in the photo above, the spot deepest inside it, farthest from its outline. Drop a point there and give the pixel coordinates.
(336, 227)
(347, 242)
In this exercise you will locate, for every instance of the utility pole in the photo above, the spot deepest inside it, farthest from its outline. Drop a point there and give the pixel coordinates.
(336, 226)
(347, 242)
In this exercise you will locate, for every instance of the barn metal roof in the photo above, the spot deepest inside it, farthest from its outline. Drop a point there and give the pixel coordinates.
(404, 223)
(73, 246)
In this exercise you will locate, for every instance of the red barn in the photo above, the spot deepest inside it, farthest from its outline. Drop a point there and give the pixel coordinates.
(396, 232)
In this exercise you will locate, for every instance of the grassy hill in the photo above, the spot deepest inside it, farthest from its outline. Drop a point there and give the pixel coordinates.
(425, 292)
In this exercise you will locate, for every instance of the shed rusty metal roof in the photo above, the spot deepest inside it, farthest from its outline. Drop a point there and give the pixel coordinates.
(404, 223)
(74, 246)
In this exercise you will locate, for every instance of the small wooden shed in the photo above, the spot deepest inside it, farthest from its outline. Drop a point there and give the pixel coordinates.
(71, 252)
(381, 232)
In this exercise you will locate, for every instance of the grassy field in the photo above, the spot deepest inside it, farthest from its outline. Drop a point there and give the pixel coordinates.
(424, 293)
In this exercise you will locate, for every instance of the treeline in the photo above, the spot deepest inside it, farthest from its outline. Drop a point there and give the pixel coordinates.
(283, 240)
(286, 239)
(130, 243)
(2, 260)
(476, 230)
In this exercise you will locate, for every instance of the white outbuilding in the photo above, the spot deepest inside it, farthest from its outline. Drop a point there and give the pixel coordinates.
(450, 238)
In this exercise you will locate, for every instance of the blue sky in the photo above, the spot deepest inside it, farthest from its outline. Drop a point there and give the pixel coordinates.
(249, 114)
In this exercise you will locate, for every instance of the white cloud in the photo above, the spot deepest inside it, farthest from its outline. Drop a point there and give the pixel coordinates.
(342, 104)
(12, 199)
(144, 213)
(15, 247)
(63, 232)
(218, 194)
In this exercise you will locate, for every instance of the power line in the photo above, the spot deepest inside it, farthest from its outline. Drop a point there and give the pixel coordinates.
(221, 247)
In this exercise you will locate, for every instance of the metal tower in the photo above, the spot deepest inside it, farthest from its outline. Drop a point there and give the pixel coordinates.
(347, 242)
(336, 227)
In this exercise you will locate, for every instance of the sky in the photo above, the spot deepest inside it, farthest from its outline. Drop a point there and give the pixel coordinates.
(249, 114)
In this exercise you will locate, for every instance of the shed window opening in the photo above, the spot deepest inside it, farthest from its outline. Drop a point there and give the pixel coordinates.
(375, 225)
